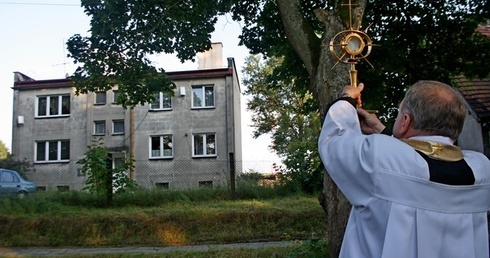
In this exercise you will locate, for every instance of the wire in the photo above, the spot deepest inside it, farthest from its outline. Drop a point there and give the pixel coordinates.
(17, 3)
(131, 133)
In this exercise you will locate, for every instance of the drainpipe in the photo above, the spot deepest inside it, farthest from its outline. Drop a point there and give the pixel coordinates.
(131, 141)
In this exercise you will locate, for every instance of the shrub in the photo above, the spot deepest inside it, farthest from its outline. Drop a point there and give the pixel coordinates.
(102, 179)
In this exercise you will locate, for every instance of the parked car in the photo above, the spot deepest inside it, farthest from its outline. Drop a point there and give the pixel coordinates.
(12, 183)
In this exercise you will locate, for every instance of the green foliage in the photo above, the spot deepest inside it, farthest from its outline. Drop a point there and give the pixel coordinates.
(8, 161)
(290, 116)
(421, 40)
(415, 40)
(102, 179)
(155, 218)
(59, 202)
(4, 151)
(313, 248)
(125, 33)
(21, 166)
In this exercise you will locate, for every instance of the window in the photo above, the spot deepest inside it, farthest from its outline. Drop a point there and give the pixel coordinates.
(52, 151)
(115, 96)
(163, 101)
(99, 127)
(117, 126)
(203, 96)
(161, 146)
(100, 97)
(205, 184)
(164, 185)
(204, 145)
(63, 188)
(117, 161)
(8, 177)
(53, 106)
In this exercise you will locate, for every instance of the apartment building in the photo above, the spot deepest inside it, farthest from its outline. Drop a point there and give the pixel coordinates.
(188, 140)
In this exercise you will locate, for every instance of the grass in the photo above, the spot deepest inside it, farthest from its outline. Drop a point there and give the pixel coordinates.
(266, 252)
(163, 218)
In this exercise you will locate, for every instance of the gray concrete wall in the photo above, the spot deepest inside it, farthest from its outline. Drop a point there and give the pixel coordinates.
(182, 121)
(72, 127)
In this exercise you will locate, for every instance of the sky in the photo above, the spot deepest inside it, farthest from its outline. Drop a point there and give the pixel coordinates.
(32, 41)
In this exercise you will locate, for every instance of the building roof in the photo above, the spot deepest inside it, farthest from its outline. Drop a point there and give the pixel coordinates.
(477, 95)
(23, 82)
(484, 29)
(477, 92)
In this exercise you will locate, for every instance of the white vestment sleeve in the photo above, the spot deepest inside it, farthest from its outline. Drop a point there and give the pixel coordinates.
(347, 153)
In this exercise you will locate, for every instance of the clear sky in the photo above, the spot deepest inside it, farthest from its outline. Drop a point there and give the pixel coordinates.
(32, 41)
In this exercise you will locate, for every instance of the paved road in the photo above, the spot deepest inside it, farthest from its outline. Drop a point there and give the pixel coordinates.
(50, 252)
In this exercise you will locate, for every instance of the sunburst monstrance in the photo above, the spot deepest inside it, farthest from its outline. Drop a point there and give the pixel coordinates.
(350, 46)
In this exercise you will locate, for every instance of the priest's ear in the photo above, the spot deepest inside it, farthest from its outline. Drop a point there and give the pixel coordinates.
(405, 126)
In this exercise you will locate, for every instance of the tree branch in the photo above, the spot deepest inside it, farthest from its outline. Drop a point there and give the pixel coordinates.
(300, 34)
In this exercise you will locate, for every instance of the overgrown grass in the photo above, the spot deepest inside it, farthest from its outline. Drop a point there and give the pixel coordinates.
(160, 218)
(266, 252)
(313, 248)
(46, 202)
(299, 251)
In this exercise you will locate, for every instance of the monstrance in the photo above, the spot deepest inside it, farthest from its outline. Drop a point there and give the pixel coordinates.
(350, 46)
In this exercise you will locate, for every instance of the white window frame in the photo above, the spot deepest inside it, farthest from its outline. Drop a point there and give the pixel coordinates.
(115, 95)
(114, 126)
(57, 144)
(48, 106)
(162, 152)
(161, 99)
(202, 90)
(99, 122)
(205, 153)
(98, 93)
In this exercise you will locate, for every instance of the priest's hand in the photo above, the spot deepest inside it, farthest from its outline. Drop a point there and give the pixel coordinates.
(354, 92)
(370, 123)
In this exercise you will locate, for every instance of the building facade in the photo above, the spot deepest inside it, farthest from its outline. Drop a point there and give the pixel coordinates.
(188, 140)
(476, 92)
(476, 131)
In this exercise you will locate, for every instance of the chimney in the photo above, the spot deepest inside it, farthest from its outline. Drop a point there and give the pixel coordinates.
(20, 77)
(211, 58)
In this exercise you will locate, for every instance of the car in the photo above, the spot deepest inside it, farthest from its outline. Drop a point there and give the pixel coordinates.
(13, 184)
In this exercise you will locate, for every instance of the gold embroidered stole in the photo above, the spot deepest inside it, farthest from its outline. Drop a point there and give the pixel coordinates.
(436, 150)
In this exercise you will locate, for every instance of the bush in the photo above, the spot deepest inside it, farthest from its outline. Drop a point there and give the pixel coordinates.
(102, 179)
(314, 248)
(21, 166)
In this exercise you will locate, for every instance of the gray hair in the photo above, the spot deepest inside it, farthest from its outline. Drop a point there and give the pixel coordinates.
(435, 108)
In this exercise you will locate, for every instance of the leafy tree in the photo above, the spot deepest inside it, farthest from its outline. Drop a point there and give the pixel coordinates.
(102, 179)
(8, 161)
(123, 35)
(422, 40)
(21, 166)
(4, 151)
(419, 39)
(290, 116)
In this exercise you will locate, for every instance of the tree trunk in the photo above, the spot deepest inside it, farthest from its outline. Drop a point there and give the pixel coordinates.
(326, 82)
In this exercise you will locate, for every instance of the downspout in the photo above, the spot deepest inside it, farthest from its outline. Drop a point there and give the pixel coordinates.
(131, 142)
